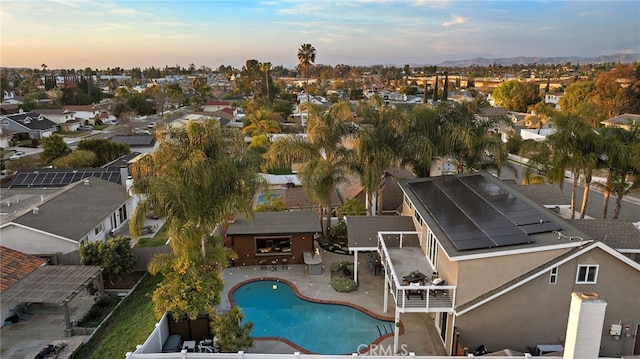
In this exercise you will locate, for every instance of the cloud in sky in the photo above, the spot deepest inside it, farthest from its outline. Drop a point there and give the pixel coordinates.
(125, 33)
(456, 20)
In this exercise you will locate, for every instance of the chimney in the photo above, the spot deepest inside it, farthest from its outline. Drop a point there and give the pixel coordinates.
(86, 182)
(36, 210)
(584, 328)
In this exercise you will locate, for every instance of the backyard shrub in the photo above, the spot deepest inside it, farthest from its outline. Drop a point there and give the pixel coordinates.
(335, 266)
(343, 285)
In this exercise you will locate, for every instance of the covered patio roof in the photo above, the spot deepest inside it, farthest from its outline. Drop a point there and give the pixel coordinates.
(51, 284)
(55, 285)
(363, 231)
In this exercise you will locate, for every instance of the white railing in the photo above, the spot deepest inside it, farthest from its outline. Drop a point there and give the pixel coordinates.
(408, 299)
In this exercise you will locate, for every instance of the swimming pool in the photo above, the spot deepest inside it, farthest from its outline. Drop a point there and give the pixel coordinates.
(271, 195)
(276, 311)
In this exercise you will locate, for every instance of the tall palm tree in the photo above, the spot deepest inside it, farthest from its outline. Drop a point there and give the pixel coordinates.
(376, 149)
(420, 135)
(469, 140)
(266, 67)
(198, 177)
(306, 58)
(322, 153)
(621, 149)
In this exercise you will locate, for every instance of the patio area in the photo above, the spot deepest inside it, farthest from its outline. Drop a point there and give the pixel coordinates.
(25, 339)
(420, 335)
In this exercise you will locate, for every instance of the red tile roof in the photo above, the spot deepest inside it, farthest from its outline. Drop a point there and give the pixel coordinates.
(217, 103)
(15, 265)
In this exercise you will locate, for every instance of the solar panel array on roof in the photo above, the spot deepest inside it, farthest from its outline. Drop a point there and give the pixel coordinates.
(477, 213)
(61, 178)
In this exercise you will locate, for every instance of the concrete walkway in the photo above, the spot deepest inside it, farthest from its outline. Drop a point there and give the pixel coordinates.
(420, 335)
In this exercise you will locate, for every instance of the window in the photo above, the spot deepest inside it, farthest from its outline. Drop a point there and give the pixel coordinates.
(273, 245)
(418, 218)
(553, 275)
(98, 229)
(587, 274)
(406, 199)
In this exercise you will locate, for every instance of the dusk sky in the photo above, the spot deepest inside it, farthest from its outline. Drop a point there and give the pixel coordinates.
(100, 34)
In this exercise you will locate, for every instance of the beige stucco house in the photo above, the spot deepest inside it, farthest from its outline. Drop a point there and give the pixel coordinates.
(505, 266)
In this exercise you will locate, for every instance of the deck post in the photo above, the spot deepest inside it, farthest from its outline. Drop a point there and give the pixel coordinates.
(385, 306)
(396, 332)
(355, 266)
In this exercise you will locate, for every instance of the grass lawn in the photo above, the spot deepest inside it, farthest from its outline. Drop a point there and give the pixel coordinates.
(130, 325)
(159, 239)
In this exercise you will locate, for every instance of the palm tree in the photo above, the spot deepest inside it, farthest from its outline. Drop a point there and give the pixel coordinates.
(420, 136)
(470, 141)
(306, 58)
(266, 67)
(376, 149)
(198, 178)
(324, 157)
(620, 150)
(261, 123)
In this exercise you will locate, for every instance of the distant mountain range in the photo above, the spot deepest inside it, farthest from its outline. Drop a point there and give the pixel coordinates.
(506, 61)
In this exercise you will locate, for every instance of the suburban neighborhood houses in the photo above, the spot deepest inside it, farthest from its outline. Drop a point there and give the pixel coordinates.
(467, 210)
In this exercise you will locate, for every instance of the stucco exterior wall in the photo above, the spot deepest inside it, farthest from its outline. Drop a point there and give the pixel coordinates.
(32, 242)
(478, 276)
(537, 312)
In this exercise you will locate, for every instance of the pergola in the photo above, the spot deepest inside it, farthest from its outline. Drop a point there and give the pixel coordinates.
(55, 285)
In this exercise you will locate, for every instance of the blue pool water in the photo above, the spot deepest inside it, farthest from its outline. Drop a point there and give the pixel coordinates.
(316, 327)
(274, 194)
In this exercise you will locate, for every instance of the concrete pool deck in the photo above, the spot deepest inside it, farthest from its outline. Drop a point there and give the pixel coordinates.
(420, 335)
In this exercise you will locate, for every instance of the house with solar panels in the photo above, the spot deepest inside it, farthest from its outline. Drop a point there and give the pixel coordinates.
(43, 222)
(492, 267)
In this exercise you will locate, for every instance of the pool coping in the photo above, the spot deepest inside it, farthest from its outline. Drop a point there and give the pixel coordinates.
(316, 300)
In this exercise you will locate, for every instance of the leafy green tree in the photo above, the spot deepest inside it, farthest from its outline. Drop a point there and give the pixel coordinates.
(233, 336)
(105, 150)
(139, 103)
(282, 107)
(324, 158)
(575, 95)
(114, 255)
(175, 94)
(306, 58)
(191, 284)
(352, 207)
(611, 93)
(24, 163)
(76, 159)
(515, 95)
(54, 147)
(201, 92)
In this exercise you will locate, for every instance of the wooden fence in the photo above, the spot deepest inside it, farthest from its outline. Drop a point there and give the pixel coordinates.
(143, 256)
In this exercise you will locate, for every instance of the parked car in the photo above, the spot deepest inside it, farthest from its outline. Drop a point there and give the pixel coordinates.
(151, 125)
(85, 128)
(18, 155)
(141, 131)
